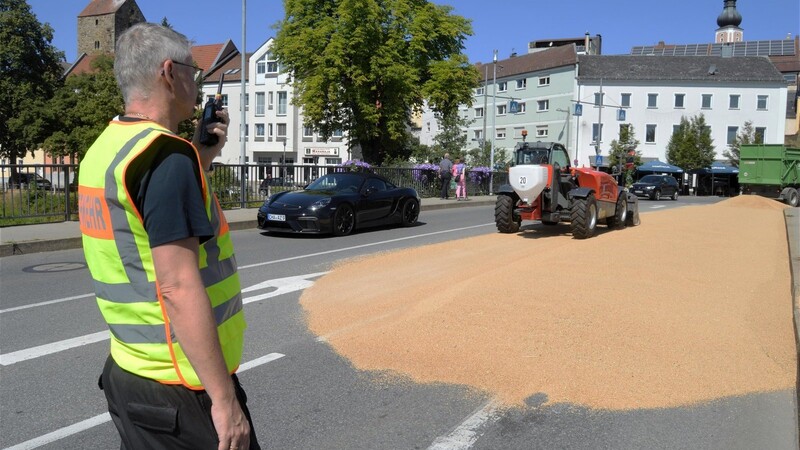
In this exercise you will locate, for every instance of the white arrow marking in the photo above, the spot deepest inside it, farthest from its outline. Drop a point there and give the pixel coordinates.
(282, 285)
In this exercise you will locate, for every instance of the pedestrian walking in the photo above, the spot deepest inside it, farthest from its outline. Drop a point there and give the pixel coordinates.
(445, 167)
(459, 175)
(160, 253)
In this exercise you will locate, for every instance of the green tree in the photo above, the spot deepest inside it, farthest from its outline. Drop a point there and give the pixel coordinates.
(747, 135)
(690, 146)
(82, 108)
(451, 139)
(364, 66)
(31, 71)
(620, 148)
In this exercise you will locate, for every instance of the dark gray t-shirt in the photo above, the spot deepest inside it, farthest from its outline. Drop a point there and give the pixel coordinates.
(169, 195)
(445, 166)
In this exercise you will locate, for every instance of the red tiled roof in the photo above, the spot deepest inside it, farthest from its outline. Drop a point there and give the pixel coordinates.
(84, 64)
(205, 55)
(101, 7)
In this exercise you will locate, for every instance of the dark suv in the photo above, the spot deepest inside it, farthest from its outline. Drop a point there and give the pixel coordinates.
(656, 186)
(24, 180)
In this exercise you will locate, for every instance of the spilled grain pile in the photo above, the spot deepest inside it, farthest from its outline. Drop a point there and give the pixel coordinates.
(691, 306)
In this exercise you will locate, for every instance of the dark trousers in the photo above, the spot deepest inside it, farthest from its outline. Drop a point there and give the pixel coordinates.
(445, 185)
(151, 415)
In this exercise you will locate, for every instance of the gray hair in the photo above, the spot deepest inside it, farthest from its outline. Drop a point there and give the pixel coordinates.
(141, 50)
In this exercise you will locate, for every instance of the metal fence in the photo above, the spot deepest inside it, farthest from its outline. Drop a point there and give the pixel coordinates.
(48, 192)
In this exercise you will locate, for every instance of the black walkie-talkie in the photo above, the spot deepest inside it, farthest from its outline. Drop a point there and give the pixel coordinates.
(210, 116)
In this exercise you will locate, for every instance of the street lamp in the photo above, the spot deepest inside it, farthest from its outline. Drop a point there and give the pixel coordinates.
(494, 120)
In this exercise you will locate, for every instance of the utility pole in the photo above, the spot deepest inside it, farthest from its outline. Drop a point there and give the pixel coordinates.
(494, 121)
(599, 126)
(243, 127)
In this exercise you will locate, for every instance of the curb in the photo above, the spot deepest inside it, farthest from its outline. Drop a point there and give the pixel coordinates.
(792, 218)
(49, 245)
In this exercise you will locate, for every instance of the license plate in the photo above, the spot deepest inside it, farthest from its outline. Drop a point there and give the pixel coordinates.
(637, 192)
(276, 217)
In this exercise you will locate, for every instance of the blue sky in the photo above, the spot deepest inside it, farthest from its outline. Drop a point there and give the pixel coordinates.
(504, 25)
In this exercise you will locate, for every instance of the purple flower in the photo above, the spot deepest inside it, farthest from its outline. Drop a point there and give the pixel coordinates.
(479, 174)
(355, 165)
(425, 172)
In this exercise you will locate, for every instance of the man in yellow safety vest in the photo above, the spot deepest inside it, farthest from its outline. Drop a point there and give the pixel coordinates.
(162, 261)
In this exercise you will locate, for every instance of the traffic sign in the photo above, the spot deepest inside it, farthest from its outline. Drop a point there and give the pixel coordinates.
(598, 160)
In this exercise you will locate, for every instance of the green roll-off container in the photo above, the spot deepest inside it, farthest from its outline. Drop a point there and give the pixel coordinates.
(770, 170)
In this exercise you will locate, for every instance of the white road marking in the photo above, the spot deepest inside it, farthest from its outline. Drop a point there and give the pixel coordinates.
(657, 207)
(355, 247)
(283, 285)
(55, 347)
(465, 434)
(92, 422)
(49, 302)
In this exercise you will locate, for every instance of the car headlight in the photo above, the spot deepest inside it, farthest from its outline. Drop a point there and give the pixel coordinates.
(321, 203)
(648, 188)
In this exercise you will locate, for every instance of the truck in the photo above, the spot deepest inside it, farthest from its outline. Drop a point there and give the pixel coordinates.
(544, 187)
(770, 170)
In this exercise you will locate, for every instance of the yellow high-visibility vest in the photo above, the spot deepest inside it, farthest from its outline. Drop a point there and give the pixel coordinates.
(117, 251)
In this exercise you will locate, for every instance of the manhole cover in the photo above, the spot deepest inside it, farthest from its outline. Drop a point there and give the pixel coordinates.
(55, 267)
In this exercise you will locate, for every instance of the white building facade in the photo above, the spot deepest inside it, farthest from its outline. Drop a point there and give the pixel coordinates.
(275, 130)
(654, 93)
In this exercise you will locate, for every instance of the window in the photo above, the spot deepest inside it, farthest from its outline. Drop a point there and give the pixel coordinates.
(679, 100)
(259, 131)
(595, 130)
(337, 134)
(502, 86)
(270, 131)
(706, 102)
(521, 108)
(650, 134)
(732, 135)
(478, 112)
(544, 81)
(652, 100)
(261, 67)
(733, 102)
(282, 103)
(625, 100)
(480, 91)
(281, 131)
(260, 104)
(501, 110)
(500, 134)
(675, 129)
(270, 101)
(542, 105)
(522, 84)
(760, 133)
(518, 132)
(308, 131)
(762, 102)
(477, 135)
(598, 99)
(272, 63)
(541, 131)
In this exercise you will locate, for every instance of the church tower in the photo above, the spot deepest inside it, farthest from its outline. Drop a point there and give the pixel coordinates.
(101, 23)
(728, 22)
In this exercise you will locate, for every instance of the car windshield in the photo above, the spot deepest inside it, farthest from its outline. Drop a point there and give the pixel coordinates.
(650, 179)
(338, 182)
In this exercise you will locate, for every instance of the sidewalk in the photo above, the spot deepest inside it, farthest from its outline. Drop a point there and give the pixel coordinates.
(48, 237)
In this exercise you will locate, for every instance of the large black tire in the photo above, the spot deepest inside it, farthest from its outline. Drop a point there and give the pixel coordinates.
(793, 199)
(675, 195)
(504, 214)
(656, 195)
(620, 213)
(583, 215)
(410, 212)
(344, 220)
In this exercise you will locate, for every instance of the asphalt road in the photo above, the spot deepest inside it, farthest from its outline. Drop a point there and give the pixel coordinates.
(303, 395)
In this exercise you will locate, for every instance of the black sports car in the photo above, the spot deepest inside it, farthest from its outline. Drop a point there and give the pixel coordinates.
(338, 203)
